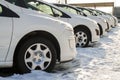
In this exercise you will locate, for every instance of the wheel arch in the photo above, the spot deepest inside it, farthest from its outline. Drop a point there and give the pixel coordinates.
(101, 29)
(43, 34)
(84, 27)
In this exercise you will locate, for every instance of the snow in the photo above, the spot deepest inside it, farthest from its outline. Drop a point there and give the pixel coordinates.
(98, 62)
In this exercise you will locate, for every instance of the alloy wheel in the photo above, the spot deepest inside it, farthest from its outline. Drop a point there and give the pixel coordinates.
(81, 38)
(38, 57)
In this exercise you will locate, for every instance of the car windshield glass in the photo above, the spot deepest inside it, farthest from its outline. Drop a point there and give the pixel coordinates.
(72, 10)
(69, 9)
(101, 13)
(57, 12)
(95, 12)
(36, 5)
(32, 4)
(86, 12)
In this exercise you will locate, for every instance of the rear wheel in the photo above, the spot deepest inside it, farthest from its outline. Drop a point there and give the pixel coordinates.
(36, 54)
(82, 38)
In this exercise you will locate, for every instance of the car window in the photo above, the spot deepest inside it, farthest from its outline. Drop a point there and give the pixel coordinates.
(6, 12)
(82, 13)
(99, 13)
(39, 6)
(45, 8)
(72, 10)
(57, 12)
(69, 9)
(35, 5)
(86, 12)
(95, 13)
(32, 4)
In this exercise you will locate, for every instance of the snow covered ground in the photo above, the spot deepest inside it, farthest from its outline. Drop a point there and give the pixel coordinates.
(100, 62)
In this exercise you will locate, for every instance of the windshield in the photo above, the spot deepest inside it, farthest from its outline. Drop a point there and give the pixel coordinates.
(95, 12)
(36, 5)
(86, 12)
(32, 4)
(69, 9)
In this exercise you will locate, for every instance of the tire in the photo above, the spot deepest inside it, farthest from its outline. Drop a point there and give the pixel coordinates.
(82, 37)
(35, 54)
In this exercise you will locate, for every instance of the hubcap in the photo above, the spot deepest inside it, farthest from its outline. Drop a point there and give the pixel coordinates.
(81, 38)
(37, 57)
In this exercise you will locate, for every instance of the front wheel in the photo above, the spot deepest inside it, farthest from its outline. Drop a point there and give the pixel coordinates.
(36, 54)
(82, 38)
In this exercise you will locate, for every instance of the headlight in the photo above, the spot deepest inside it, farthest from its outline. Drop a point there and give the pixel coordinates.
(94, 22)
(68, 27)
(109, 19)
(104, 21)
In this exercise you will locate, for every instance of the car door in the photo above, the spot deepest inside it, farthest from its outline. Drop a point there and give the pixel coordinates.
(5, 31)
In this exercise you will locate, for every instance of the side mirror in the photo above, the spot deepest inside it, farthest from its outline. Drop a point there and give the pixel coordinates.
(85, 15)
(56, 15)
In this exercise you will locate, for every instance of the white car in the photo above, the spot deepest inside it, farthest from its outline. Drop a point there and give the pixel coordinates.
(85, 29)
(90, 13)
(100, 21)
(108, 18)
(109, 15)
(33, 42)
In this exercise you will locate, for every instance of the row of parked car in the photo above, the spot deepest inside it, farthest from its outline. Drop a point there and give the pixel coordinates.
(34, 34)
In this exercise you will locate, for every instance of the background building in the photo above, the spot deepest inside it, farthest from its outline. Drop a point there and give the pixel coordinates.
(117, 9)
(104, 5)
